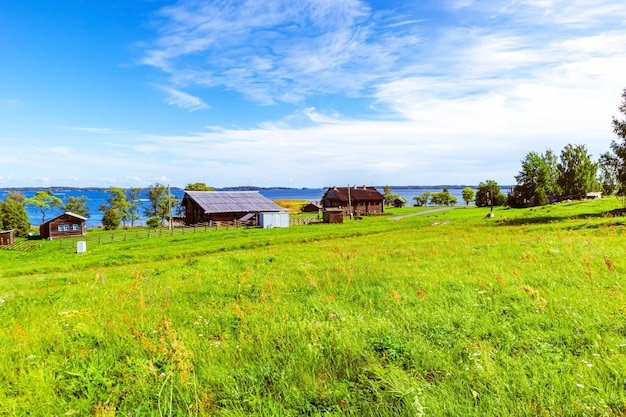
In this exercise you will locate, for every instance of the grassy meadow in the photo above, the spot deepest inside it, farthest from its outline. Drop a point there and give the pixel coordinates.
(441, 314)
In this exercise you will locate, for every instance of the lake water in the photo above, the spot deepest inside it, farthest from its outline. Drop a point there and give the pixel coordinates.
(96, 197)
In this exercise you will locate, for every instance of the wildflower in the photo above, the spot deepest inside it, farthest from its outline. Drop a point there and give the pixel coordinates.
(580, 385)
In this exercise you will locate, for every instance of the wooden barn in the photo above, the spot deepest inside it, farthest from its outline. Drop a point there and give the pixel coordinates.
(7, 238)
(67, 224)
(311, 208)
(362, 201)
(226, 206)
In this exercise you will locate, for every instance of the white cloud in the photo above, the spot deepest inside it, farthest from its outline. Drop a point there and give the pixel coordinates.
(183, 100)
(277, 50)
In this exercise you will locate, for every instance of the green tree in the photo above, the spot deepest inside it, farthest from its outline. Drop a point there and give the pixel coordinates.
(540, 197)
(110, 218)
(488, 193)
(156, 194)
(389, 196)
(515, 198)
(422, 199)
(533, 175)
(44, 200)
(468, 195)
(198, 186)
(577, 173)
(609, 171)
(552, 174)
(442, 198)
(132, 196)
(619, 146)
(119, 203)
(77, 205)
(13, 214)
(161, 202)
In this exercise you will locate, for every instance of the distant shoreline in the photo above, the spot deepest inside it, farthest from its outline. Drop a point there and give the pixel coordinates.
(238, 188)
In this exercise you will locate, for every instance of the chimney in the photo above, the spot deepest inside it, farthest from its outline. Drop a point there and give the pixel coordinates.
(365, 187)
(335, 187)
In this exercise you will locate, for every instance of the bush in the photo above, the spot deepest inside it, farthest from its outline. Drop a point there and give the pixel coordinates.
(110, 219)
(153, 222)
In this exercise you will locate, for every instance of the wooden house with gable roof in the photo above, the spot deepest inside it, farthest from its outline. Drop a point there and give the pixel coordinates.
(362, 201)
(67, 224)
(203, 207)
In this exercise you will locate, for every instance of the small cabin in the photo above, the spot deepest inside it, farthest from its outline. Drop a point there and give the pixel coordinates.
(333, 215)
(67, 224)
(7, 238)
(312, 208)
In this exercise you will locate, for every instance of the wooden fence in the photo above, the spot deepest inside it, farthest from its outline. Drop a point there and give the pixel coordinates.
(300, 221)
(22, 245)
(136, 234)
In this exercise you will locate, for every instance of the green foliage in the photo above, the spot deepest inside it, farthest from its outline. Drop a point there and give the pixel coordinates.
(111, 219)
(540, 197)
(119, 203)
(44, 200)
(422, 199)
(577, 173)
(443, 198)
(516, 198)
(198, 186)
(132, 196)
(161, 202)
(77, 205)
(532, 176)
(488, 194)
(618, 147)
(13, 215)
(468, 195)
(153, 222)
(389, 196)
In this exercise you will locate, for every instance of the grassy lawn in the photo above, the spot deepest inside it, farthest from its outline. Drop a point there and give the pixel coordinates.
(444, 314)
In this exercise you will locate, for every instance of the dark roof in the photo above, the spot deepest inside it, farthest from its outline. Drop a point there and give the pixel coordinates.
(356, 194)
(67, 213)
(230, 201)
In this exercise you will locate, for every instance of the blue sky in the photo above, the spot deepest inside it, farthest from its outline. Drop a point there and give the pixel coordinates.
(301, 93)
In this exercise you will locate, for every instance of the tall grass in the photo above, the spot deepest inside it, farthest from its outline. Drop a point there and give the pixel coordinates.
(440, 314)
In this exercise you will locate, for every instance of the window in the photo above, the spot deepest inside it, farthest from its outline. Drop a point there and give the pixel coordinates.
(74, 227)
(64, 228)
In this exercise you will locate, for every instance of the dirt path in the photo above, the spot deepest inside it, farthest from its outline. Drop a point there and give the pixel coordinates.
(420, 212)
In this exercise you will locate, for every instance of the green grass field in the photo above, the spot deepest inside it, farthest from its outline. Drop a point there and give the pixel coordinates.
(440, 314)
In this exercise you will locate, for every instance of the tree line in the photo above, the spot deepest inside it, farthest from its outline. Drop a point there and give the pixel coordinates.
(568, 175)
(122, 206)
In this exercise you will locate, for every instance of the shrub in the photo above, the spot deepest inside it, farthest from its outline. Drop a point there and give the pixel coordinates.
(110, 219)
(153, 222)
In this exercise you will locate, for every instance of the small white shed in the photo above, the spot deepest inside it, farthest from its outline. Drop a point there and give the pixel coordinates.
(268, 220)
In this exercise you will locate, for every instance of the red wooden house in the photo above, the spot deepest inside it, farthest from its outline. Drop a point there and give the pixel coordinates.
(67, 224)
(360, 201)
